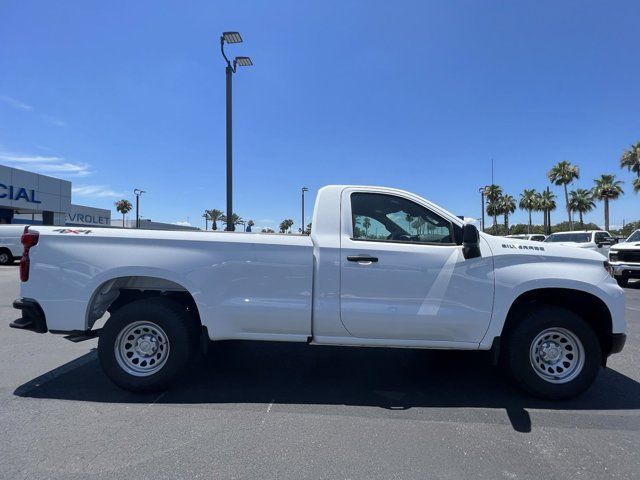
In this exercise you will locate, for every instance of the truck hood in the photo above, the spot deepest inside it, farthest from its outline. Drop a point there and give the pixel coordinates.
(626, 246)
(509, 246)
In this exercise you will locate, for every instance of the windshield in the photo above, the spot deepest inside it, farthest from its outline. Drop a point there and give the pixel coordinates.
(634, 237)
(569, 237)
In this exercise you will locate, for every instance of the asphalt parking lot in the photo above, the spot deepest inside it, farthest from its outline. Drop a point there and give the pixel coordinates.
(258, 410)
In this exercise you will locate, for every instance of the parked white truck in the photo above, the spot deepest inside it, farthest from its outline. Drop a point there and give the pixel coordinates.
(10, 246)
(597, 240)
(625, 259)
(382, 267)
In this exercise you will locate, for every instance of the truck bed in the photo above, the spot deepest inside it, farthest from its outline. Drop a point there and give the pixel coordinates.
(245, 285)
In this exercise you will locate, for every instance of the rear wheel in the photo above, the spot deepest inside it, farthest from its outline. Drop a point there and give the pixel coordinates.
(552, 353)
(622, 281)
(146, 344)
(5, 257)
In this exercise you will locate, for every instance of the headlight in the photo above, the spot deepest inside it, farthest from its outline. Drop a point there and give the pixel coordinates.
(613, 256)
(608, 267)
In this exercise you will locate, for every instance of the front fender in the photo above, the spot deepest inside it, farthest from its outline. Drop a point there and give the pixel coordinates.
(516, 276)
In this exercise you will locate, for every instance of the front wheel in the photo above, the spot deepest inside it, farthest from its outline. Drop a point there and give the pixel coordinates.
(146, 344)
(552, 353)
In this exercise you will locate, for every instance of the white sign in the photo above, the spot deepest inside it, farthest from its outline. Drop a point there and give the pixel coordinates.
(82, 215)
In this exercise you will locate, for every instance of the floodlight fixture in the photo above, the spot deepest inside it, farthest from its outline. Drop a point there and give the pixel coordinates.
(243, 61)
(231, 37)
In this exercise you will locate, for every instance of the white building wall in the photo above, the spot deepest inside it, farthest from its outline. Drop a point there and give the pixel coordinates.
(27, 191)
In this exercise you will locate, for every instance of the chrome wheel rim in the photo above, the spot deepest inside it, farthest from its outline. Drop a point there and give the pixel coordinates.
(557, 355)
(142, 348)
(4, 258)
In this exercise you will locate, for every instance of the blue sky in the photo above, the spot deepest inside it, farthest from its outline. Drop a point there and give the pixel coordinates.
(417, 95)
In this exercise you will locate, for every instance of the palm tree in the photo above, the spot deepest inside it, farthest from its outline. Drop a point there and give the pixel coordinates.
(538, 206)
(563, 173)
(123, 206)
(493, 194)
(547, 205)
(581, 201)
(607, 188)
(235, 220)
(630, 159)
(529, 202)
(286, 225)
(636, 185)
(507, 206)
(214, 216)
(366, 224)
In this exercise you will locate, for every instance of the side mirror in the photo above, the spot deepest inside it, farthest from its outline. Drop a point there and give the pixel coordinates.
(470, 241)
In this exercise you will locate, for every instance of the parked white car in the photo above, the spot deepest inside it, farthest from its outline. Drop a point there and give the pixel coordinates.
(534, 237)
(10, 246)
(382, 267)
(625, 259)
(596, 240)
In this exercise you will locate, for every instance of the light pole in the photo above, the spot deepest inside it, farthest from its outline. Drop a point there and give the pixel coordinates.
(231, 37)
(483, 192)
(304, 189)
(206, 221)
(137, 192)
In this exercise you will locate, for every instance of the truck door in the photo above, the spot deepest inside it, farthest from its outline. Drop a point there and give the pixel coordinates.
(403, 275)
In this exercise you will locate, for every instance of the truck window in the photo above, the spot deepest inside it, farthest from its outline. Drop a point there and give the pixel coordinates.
(381, 217)
(634, 237)
(600, 236)
(569, 237)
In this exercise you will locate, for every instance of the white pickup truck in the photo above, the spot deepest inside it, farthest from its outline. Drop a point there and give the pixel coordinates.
(596, 240)
(625, 259)
(10, 247)
(382, 267)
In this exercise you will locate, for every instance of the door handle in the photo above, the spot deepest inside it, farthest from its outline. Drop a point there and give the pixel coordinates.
(362, 258)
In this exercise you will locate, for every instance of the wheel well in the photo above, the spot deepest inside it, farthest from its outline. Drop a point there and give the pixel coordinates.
(115, 293)
(5, 249)
(589, 307)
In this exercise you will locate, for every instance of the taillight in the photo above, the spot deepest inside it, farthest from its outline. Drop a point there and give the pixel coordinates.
(28, 240)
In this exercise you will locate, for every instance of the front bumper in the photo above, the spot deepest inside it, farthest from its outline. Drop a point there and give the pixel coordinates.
(32, 319)
(629, 270)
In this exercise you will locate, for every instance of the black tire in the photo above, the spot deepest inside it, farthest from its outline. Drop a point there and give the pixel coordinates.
(180, 337)
(623, 281)
(517, 347)
(5, 257)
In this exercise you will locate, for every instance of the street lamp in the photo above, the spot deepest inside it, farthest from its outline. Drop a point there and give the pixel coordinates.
(230, 38)
(483, 192)
(206, 221)
(304, 189)
(137, 192)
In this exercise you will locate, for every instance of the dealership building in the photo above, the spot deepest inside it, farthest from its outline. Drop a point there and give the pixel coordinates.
(27, 197)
